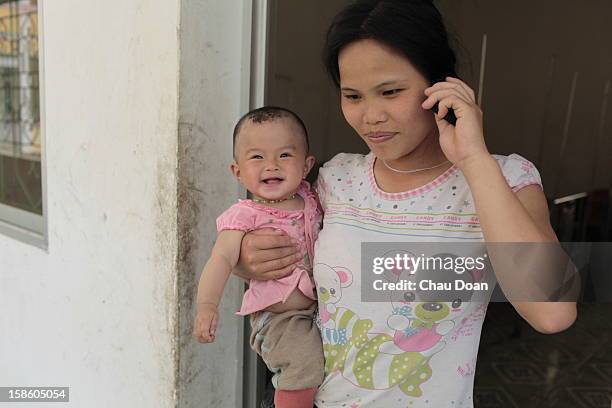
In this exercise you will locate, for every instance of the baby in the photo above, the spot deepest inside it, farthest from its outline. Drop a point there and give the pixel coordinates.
(271, 161)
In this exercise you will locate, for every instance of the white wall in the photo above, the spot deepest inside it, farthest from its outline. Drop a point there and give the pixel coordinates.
(96, 312)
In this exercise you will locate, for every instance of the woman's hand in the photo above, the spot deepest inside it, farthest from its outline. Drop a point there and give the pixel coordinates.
(464, 141)
(267, 254)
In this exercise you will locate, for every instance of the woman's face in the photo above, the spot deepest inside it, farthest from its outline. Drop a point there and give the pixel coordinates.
(382, 93)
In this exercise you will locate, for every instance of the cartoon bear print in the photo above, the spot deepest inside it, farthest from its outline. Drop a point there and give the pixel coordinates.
(421, 319)
(341, 328)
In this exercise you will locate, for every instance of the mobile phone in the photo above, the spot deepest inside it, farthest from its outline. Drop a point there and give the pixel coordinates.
(450, 115)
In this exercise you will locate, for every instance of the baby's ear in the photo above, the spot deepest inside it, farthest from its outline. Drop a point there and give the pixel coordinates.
(310, 161)
(235, 170)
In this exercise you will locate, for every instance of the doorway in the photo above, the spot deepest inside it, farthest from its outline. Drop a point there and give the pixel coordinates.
(543, 80)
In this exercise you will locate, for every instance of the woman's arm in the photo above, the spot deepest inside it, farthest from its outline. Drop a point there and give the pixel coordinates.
(504, 216)
(520, 217)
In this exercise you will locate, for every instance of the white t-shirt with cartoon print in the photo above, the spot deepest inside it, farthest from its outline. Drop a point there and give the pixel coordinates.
(381, 354)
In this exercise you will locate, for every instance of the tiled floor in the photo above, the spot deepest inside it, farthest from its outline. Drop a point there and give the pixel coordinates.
(519, 367)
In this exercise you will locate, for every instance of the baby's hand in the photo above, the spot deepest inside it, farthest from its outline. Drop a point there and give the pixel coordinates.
(206, 322)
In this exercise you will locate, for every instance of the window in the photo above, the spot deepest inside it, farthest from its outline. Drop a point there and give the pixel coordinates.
(21, 197)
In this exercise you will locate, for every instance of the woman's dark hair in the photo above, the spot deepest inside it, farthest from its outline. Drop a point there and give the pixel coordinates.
(411, 27)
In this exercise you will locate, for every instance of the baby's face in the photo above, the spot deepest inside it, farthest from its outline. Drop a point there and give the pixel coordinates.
(271, 158)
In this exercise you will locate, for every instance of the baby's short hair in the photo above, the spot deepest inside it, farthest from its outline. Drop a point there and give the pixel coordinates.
(270, 113)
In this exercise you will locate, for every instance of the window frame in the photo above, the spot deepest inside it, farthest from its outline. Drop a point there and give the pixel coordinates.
(16, 223)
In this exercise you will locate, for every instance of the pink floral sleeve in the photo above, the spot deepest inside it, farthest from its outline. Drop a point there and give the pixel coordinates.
(238, 217)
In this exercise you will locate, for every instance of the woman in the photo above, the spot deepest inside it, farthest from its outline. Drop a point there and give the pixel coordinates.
(425, 180)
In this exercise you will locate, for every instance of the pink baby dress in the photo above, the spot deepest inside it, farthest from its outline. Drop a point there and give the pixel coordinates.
(303, 225)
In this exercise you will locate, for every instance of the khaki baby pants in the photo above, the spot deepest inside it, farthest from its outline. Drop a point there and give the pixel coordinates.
(290, 345)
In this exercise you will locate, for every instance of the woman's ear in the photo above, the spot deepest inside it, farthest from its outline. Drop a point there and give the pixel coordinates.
(310, 161)
(235, 169)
